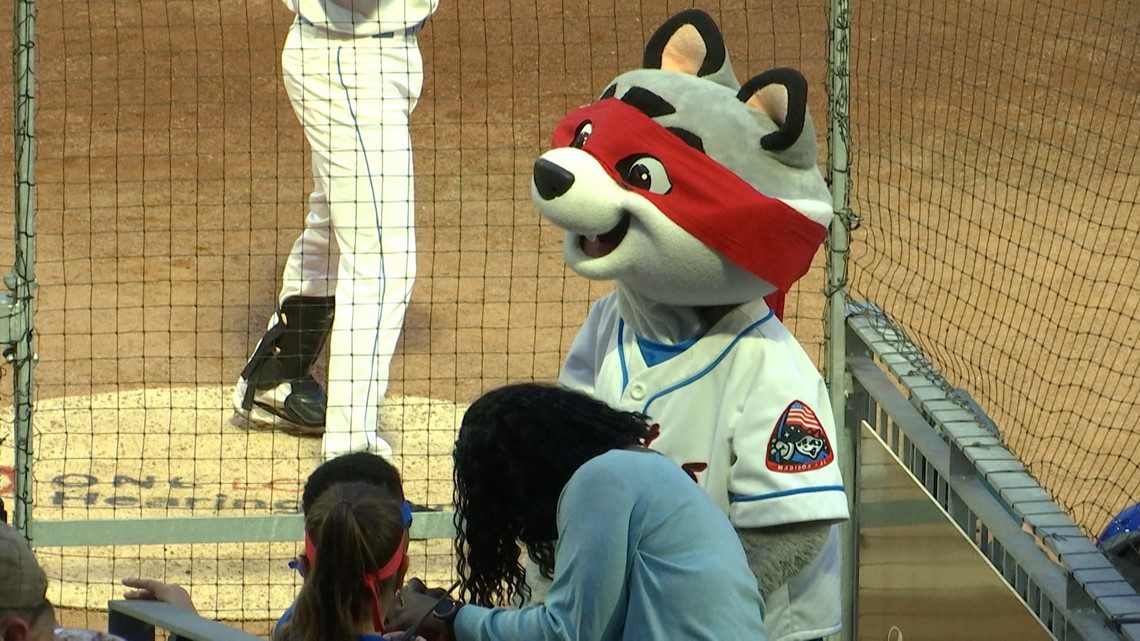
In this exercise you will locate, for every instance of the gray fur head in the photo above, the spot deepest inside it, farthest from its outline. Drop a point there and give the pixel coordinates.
(760, 131)
(733, 131)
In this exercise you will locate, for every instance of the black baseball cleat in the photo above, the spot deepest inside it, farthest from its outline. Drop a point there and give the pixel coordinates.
(293, 406)
(275, 390)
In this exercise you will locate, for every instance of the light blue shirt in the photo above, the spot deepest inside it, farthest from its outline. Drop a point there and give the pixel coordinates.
(642, 553)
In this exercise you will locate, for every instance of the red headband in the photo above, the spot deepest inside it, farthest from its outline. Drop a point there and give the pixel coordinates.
(763, 235)
(371, 581)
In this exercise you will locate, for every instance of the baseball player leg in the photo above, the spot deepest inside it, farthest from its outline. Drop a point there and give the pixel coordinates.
(372, 209)
(275, 389)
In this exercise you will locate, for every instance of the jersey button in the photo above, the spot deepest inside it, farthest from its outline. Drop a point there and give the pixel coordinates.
(637, 392)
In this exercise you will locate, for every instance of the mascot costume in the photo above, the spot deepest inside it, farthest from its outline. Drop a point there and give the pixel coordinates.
(701, 199)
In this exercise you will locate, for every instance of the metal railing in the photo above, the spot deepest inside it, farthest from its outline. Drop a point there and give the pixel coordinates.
(138, 620)
(963, 465)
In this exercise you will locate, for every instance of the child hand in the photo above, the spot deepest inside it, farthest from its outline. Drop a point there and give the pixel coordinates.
(151, 590)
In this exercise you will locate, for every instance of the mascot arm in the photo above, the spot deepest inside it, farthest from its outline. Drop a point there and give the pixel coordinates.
(778, 553)
(580, 369)
(785, 488)
(784, 468)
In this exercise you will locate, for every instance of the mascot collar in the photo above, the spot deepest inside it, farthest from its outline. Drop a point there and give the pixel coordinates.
(762, 235)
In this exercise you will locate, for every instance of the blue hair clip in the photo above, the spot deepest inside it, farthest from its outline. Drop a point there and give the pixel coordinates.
(296, 565)
(406, 512)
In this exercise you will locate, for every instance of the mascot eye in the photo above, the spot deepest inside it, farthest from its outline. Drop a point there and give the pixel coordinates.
(645, 172)
(583, 133)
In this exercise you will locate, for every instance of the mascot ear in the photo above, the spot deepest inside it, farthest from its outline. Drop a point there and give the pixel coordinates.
(780, 94)
(691, 43)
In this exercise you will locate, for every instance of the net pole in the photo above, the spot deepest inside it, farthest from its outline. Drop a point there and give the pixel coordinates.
(835, 344)
(21, 280)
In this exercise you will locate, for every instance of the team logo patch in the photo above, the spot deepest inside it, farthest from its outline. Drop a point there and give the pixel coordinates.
(798, 443)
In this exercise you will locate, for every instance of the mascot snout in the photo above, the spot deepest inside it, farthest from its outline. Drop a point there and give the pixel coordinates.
(551, 180)
(573, 191)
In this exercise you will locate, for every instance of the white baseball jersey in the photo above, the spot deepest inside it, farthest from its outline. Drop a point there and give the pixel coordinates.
(745, 411)
(363, 17)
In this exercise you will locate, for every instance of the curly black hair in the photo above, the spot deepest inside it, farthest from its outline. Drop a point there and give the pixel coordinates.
(518, 446)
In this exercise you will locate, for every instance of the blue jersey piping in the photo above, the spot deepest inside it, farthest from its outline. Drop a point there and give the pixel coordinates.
(738, 498)
(711, 366)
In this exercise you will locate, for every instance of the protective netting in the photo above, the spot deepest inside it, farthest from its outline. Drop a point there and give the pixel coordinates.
(173, 178)
(995, 164)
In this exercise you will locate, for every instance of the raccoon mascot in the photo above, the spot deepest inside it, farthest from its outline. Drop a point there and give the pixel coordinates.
(701, 199)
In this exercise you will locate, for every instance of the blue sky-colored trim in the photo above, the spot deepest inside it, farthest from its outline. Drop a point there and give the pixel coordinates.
(654, 353)
(737, 498)
(645, 410)
(621, 355)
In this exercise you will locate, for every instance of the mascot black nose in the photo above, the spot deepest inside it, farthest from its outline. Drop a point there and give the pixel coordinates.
(551, 180)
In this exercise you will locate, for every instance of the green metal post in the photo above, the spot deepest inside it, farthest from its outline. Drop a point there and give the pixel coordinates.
(17, 304)
(835, 330)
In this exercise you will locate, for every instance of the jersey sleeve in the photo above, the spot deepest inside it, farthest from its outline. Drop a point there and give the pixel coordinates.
(785, 468)
(590, 564)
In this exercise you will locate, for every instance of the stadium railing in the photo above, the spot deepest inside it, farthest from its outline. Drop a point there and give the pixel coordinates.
(960, 459)
(138, 620)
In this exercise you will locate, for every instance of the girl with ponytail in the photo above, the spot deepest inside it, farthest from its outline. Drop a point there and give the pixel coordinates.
(356, 540)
